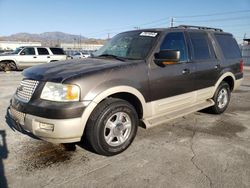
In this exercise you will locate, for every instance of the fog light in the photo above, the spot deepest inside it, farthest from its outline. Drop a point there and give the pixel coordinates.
(46, 126)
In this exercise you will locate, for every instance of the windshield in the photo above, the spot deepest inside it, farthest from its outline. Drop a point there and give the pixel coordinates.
(129, 45)
(17, 50)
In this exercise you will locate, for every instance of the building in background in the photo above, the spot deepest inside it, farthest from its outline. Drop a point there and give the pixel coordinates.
(12, 45)
(246, 51)
(80, 47)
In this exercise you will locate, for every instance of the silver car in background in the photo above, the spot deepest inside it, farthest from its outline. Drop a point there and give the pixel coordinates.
(28, 56)
(80, 55)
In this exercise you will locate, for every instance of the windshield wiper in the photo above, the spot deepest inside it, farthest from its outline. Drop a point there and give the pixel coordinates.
(113, 56)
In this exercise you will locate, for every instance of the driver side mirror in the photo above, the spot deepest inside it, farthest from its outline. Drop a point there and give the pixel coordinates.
(22, 53)
(167, 57)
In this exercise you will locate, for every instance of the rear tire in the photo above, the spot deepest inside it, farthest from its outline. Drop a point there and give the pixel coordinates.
(112, 127)
(221, 98)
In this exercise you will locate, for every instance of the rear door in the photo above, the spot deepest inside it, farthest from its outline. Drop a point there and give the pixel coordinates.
(204, 59)
(43, 55)
(58, 54)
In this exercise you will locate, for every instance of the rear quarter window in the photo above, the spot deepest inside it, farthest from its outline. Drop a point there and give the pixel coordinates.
(228, 45)
(57, 51)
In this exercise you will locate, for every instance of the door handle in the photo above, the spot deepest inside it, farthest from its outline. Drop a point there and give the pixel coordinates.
(34, 57)
(185, 71)
(217, 66)
(48, 56)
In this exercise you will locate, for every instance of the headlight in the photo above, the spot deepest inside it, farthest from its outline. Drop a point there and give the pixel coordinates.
(60, 92)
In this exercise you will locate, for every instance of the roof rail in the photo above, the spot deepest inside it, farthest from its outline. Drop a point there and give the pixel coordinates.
(199, 27)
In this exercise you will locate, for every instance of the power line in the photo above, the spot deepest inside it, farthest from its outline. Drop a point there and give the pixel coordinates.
(214, 14)
(215, 20)
(193, 16)
(164, 21)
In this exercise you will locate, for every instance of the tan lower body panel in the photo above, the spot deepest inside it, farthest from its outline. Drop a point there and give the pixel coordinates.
(170, 115)
(166, 109)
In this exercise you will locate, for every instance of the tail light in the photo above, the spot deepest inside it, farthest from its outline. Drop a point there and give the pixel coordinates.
(241, 65)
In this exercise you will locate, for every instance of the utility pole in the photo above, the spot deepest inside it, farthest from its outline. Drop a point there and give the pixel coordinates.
(171, 22)
(80, 41)
(108, 36)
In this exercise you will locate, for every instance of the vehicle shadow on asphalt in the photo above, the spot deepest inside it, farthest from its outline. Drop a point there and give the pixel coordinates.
(3, 155)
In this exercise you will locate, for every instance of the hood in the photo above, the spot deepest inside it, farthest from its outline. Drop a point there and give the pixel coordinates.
(62, 70)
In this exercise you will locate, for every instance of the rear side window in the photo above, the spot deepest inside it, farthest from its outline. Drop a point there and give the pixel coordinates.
(229, 46)
(57, 51)
(200, 43)
(42, 51)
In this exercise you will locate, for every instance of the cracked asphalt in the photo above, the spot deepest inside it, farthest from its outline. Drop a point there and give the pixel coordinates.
(197, 150)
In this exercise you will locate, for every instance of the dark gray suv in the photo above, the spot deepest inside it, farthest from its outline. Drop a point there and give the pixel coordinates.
(149, 75)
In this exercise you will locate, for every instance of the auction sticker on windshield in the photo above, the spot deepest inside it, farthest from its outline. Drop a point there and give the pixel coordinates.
(148, 34)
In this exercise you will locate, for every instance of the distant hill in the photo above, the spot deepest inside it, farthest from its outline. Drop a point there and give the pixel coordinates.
(51, 38)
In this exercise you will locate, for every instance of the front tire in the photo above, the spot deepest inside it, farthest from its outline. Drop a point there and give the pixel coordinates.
(9, 66)
(112, 127)
(221, 98)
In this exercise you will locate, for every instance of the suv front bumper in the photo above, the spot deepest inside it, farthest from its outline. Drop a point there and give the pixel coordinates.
(51, 130)
(57, 127)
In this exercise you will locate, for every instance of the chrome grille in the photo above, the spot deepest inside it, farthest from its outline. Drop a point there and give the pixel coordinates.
(26, 89)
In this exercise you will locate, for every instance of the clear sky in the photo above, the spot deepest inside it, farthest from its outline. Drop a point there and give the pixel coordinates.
(97, 18)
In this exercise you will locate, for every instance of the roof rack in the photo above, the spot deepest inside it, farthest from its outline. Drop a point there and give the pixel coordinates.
(199, 27)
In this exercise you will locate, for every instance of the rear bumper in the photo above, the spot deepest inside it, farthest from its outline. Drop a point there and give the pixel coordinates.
(51, 130)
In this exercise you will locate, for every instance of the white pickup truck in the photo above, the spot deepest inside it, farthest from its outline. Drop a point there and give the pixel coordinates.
(28, 56)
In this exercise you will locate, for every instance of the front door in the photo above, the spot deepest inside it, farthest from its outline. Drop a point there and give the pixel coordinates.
(27, 57)
(175, 79)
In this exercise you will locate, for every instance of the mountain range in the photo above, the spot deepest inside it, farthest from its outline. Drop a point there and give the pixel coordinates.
(51, 38)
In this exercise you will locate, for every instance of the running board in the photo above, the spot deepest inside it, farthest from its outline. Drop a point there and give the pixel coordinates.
(162, 118)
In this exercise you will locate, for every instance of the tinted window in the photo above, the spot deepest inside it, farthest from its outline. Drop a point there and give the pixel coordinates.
(77, 53)
(42, 51)
(57, 51)
(228, 45)
(200, 45)
(29, 51)
(175, 41)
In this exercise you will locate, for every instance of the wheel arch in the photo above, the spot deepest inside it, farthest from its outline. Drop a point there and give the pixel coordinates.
(227, 77)
(8, 60)
(132, 99)
(128, 93)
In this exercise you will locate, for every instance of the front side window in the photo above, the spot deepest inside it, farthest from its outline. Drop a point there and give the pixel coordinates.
(17, 50)
(28, 51)
(42, 51)
(175, 41)
(200, 45)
